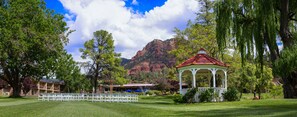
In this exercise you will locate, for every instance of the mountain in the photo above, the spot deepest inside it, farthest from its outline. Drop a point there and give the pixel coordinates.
(153, 57)
(125, 61)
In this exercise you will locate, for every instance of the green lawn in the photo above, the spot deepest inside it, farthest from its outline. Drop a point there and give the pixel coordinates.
(147, 106)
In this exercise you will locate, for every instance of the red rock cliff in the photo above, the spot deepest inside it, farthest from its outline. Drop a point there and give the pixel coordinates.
(153, 57)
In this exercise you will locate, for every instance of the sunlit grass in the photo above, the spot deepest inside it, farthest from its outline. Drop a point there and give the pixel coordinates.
(147, 106)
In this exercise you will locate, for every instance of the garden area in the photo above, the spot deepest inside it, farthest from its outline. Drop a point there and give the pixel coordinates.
(231, 58)
(148, 106)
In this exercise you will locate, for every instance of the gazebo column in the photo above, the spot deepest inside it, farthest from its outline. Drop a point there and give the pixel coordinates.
(223, 83)
(194, 77)
(180, 80)
(213, 71)
(225, 72)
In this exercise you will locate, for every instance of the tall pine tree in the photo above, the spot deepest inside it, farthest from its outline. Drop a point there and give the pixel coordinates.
(105, 63)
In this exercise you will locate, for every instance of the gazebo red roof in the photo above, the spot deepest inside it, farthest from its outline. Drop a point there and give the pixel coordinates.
(201, 59)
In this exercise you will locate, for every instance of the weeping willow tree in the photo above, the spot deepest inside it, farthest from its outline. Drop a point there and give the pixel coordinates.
(253, 26)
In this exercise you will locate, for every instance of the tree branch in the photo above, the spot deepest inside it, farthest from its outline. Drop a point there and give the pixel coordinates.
(293, 19)
(291, 14)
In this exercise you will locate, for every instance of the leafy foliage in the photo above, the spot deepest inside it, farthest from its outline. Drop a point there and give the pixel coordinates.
(194, 37)
(276, 90)
(189, 96)
(163, 85)
(198, 34)
(154, 92)
(28, 84)
(178, 98)
(207, 95)
(68, 71)
(31, 38)
(287, 63)
(105, 63)
(249, 77)
(231, 94)
(255, 25)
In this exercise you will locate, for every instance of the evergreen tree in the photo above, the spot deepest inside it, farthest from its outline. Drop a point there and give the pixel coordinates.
(105, 63)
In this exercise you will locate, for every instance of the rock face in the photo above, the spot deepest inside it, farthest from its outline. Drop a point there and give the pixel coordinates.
(153, 57)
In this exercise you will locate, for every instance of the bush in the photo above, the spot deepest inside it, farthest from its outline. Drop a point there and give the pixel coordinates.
(152, 92)
(158, 92)
(189, 96)
(207, 95)
(231, 94)
(276, 90)
(178, 98)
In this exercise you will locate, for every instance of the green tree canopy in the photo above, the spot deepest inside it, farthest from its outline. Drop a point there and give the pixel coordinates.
(69, 71)
(198, 34)
(105, 63)
(255, 25)
(31, 38)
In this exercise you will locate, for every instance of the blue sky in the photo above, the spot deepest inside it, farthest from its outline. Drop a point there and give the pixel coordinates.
(141, 6)
(133, 23)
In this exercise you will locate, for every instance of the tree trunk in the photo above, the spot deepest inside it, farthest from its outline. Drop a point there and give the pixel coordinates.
(284, 24)
(254, 93)
(111, 88)
(290, 86)
(289, 83)
(259, 93)
(16, 90)
(95, 85)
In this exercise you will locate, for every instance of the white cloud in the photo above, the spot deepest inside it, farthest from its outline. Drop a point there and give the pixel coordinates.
(131, 31)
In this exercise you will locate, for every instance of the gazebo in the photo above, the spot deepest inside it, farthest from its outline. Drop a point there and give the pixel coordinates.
(204, 63)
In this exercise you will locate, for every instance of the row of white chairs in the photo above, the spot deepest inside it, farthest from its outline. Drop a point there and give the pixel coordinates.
(119, 97)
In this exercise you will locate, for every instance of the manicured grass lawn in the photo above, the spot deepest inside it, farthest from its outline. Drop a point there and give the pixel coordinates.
(147, 106)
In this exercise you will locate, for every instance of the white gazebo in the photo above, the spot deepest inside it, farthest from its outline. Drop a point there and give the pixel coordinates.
(204, 64)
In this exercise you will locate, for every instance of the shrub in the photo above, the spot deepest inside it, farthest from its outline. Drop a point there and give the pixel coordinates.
(178, 98)
(276, 90)
(189, 96)
(231, 94)
(207, 95)
(150, 92)
(157, 92)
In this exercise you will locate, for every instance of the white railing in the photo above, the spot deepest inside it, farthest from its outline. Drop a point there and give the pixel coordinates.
(217, 90)
(184, 91)
(121, 97)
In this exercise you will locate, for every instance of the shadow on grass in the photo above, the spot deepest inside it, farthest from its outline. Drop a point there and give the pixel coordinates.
(287, 110)
(17, 98)
(157, 102)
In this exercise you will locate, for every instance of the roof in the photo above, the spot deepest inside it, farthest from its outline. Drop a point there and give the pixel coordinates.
(135, 85)
(55, 81)
(201, 59)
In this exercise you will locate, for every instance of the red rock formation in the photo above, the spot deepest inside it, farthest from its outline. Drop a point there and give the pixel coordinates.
(153, 57)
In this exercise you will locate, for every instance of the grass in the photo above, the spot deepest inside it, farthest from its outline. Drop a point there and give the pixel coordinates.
(147, 106)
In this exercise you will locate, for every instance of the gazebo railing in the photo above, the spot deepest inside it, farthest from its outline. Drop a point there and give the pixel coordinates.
(119, 97)
(217, 90)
